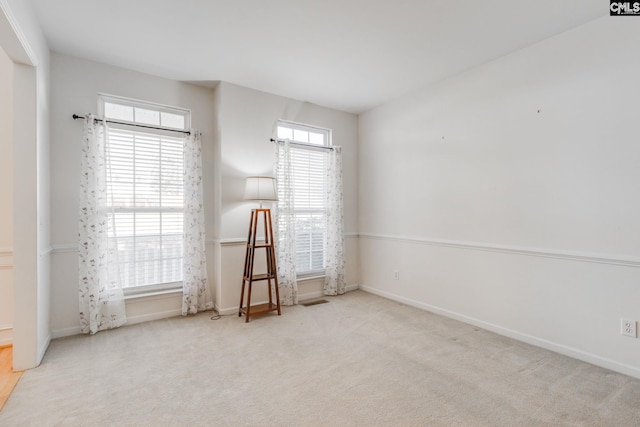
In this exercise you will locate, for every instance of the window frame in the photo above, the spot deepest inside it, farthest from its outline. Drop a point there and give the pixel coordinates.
(130, 102)
(306, 146)
(123, 125)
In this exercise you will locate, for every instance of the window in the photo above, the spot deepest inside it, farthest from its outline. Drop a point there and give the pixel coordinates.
(145, 192)
(309, 193)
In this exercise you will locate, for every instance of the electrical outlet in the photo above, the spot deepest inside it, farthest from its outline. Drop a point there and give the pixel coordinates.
(396, 275)
(629, 328)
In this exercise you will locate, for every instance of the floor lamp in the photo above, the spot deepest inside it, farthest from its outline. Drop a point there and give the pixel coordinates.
(262, 189)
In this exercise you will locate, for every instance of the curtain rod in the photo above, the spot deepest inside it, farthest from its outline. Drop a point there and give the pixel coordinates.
(75, 117)
(302, 144)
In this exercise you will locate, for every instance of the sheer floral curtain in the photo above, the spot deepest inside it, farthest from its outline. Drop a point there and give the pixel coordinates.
(285, 234)
(334, 283)
(196, 295)
(100, 292)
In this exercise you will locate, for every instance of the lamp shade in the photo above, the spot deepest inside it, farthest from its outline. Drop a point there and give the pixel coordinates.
(261, 188)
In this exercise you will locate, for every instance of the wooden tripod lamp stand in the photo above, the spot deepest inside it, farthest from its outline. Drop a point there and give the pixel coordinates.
(261, 188)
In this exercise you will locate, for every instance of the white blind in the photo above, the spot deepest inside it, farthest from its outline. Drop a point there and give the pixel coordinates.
(308, 169)
(145, 204)
(309, 192)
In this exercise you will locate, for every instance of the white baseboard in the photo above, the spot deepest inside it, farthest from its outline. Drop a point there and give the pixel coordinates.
(310, 295)
(226, 311)
(6, 335)
(132, 320)
(529, 339)
(66, 332)
(234, 310)
(43, 349)
(320, 294)
(301, 297)
(352, 288)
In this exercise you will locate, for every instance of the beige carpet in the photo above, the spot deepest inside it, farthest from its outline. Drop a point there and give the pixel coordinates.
(359, 360)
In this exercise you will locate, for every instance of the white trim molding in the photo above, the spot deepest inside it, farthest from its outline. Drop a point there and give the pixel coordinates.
(529, 339)
(237, 241)
(26, 56)
(233, 241)
(46, 251)
(6, 258)
(66, 332)
(515, 250)
(6, 335)
(43, 348)
(301, 298)
(131, 320)
(64, 248)
(319, 294)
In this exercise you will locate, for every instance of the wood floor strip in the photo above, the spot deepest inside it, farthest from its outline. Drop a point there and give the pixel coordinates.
(8, 378)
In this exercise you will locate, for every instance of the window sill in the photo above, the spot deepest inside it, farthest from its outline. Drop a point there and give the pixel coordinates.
(310, 277)
(152, 294)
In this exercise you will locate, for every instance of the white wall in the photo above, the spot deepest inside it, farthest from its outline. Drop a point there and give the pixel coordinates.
(6, 199)
(247, 120)
(75, 86)
(506, 196)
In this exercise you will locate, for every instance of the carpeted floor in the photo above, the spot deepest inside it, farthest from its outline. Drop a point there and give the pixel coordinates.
(359, 360)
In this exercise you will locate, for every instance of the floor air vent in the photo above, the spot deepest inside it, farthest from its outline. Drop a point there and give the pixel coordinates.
(314, 302)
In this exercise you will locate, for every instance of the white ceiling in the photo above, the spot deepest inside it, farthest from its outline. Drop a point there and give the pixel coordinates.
(351, 55)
